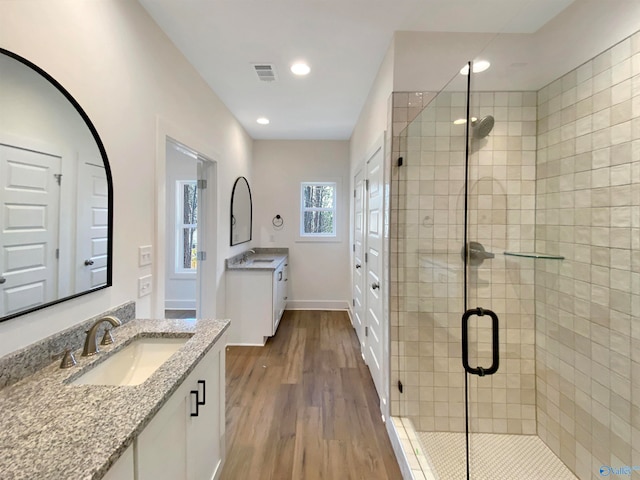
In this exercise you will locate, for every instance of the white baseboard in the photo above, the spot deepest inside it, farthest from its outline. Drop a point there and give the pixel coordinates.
(180, 304)
(244, 344)
(317, 305)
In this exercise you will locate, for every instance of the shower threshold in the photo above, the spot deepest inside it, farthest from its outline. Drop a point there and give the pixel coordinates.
(493, 457)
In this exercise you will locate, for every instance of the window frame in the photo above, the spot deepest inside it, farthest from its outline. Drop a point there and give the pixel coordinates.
(180, 226)
(320, 237)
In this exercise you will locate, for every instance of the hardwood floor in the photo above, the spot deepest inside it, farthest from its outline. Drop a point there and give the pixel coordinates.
(180, 314)
(304, 407)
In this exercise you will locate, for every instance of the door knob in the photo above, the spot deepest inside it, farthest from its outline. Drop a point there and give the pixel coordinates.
(2, 280)
(88, 262)
(375, 285)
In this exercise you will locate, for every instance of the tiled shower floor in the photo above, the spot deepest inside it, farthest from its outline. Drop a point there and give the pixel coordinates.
(494, 457)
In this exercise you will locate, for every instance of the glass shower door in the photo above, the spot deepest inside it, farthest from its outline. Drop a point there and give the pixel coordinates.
(497, 326)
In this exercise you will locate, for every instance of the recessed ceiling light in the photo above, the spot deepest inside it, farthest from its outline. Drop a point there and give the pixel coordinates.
(263, 121)
(478, 66)
(300, 68)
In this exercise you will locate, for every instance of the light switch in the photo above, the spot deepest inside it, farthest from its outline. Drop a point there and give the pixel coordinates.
(145, 286)
(145, 255)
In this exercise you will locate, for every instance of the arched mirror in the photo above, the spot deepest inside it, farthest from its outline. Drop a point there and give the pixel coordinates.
(241, 212)
(56, 194)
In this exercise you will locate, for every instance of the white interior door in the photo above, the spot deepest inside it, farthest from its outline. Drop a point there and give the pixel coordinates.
(375, 331)
(92, 231)
(358, 267)
(30, 200)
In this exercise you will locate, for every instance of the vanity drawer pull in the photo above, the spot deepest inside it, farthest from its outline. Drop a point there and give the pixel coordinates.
(202, 382)
(196, 393)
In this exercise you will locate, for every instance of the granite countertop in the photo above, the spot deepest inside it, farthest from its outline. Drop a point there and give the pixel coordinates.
(258, 261)
(50, 429)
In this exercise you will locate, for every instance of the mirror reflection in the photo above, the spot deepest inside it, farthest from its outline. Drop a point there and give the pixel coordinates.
(241, 212)
(55, 193)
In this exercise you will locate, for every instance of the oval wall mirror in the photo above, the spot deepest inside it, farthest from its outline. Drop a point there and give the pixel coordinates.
(241, 212)
(56, 195)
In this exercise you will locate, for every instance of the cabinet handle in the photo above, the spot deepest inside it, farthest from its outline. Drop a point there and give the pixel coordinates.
(204, 400)
(375, 285)
(196, 393)
(88, 262)
(358, 265)
(279, 276)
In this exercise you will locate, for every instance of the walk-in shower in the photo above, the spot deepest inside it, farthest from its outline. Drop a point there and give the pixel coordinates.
(518, 357)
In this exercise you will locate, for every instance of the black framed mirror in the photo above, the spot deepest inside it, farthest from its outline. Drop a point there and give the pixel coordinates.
(56, 193)
(241, 212)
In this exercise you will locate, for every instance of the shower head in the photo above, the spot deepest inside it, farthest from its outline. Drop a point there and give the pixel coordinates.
(482, 127)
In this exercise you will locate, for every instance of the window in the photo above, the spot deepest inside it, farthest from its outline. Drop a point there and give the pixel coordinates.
(318, 209)
(186, 226)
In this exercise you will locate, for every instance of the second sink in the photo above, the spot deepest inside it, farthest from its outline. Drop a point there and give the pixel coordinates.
(134, 363)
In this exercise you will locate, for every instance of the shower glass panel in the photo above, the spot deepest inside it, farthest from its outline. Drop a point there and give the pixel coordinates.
(428, 218)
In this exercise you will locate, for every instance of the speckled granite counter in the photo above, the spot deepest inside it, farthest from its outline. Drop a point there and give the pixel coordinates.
(258, 260)
(52, 430)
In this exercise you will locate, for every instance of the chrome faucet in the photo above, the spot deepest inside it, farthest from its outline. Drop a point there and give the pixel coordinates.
(90, 343)
(245, 255)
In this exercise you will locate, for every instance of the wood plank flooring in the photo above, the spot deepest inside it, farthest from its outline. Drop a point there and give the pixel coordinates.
(304, 407)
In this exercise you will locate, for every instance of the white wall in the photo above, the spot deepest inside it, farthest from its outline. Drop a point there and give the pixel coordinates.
(318, 272)
(129, 78)
(372, 121)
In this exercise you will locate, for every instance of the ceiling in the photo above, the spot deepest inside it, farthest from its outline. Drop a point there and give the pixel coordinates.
(344, 42)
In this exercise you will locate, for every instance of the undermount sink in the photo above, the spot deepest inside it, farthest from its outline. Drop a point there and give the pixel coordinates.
(263, 260)
(134, 363)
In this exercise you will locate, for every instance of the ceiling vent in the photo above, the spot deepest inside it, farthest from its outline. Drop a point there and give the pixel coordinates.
(265, 71)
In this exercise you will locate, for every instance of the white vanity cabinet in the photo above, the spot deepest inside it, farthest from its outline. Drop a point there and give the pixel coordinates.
(185, 439)
(256, 300)
(281, 281)
(123, 469)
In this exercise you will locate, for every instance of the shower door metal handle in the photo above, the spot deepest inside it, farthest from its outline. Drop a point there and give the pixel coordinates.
(480, 371)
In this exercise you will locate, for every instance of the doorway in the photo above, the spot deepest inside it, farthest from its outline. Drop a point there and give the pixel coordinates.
(187, 223)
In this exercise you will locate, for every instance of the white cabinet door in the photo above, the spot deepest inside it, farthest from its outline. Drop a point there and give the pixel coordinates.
(177, 445)
(285, 285)
(278, 287)
(123, 468)
(205, 439)
(162, 445)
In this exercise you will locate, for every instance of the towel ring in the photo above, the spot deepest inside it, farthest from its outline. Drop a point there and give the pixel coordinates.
(277, 221)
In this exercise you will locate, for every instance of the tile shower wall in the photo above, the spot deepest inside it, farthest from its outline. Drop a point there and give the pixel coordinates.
(427, 208)
(588, 306)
